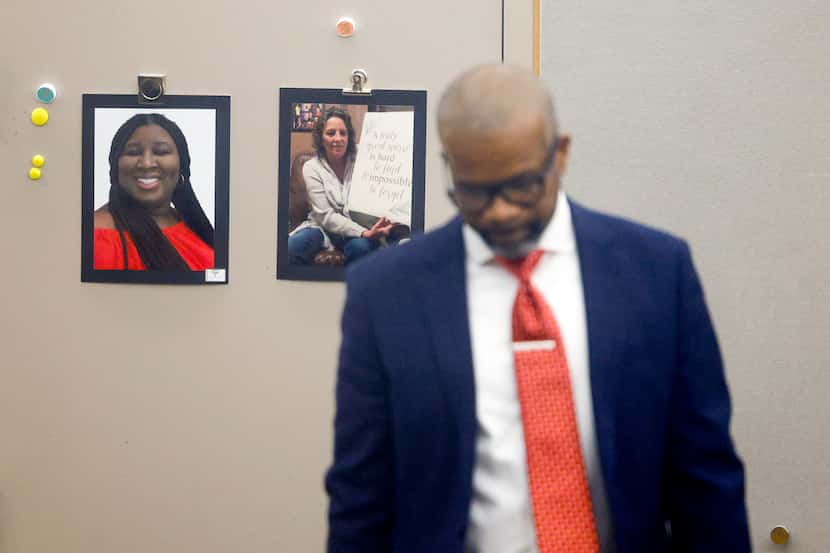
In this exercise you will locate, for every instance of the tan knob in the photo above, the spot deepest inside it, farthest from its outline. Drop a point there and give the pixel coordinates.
(780, 535)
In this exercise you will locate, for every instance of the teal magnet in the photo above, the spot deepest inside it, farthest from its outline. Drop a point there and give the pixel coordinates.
(46, 93)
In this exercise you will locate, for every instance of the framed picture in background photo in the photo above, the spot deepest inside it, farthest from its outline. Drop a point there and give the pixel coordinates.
(155, 189)
(351, 177)
(304, 116)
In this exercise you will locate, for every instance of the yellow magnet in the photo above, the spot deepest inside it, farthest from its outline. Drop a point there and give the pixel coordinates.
(34, 173)
(38, 160)
(40, 116)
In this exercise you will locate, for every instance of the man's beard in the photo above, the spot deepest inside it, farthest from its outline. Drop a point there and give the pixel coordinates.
(519, 249)
(516, 251)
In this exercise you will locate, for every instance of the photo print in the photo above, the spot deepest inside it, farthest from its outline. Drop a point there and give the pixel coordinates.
(351, 177)
(155, 189)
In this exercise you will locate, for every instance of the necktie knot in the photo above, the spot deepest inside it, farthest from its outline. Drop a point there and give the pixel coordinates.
(521, 267)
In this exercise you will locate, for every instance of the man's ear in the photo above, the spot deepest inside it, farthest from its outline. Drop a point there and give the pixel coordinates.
(563, 147)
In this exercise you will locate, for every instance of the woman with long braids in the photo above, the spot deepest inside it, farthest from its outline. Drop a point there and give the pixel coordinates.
(153, 220)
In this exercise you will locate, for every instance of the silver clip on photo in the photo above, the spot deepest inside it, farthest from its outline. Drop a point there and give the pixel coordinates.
(150, 88)
(359, 79)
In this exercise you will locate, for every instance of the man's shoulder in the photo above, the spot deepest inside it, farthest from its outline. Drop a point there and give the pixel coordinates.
(619, 231)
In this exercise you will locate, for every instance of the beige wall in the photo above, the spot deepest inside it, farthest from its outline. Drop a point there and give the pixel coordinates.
(174, 419)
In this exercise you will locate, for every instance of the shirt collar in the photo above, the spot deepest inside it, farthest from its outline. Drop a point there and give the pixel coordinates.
(349, 165)
(558, 236)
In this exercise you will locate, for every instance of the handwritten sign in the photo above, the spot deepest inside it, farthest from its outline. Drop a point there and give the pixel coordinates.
(382, 175)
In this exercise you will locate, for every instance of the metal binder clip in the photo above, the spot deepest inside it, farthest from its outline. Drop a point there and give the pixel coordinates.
(359, 78)
(150, 88)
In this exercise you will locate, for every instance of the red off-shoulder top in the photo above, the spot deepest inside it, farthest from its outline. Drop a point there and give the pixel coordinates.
(109, 255)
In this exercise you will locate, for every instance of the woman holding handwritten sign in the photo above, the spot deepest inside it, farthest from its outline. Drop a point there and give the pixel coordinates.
(328, 178)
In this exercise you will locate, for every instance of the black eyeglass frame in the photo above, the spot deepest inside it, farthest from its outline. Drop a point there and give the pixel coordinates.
(523, 190)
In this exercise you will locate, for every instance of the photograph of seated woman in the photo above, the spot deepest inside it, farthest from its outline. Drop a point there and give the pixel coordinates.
(328, 178)
(153, 220)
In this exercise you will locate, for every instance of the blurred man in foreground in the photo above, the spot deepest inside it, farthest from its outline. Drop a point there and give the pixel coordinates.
(533, 376)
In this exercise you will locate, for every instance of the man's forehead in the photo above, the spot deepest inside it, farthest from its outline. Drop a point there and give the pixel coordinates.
(487, 124)
(504, 144)
(495, 157)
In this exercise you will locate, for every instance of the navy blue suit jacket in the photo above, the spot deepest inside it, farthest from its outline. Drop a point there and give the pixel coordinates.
(405, 426)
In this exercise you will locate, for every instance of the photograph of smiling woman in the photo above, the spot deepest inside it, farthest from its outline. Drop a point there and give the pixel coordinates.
(138, 228)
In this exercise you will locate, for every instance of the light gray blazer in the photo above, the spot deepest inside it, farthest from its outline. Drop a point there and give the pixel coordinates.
(328, 199)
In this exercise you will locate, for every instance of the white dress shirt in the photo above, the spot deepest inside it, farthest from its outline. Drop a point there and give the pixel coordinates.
(501, 518)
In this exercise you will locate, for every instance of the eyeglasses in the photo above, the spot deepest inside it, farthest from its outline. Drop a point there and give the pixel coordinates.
(523, 190)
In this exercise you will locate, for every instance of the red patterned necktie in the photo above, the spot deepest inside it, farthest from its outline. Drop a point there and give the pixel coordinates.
(556, 473)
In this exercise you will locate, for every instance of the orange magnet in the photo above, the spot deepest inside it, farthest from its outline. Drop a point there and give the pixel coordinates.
(345, 27)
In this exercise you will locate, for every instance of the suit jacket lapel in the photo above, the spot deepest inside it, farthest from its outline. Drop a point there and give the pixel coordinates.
(605, 313)
(443, 290)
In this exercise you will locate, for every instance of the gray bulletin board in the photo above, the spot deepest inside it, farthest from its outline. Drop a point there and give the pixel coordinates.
(712, 120)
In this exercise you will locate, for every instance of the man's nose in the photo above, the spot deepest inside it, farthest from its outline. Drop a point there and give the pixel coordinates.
(501, 211)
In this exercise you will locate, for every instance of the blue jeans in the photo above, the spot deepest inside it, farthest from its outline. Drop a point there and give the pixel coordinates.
(303, 245)
(306, 243)
(354, 248)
